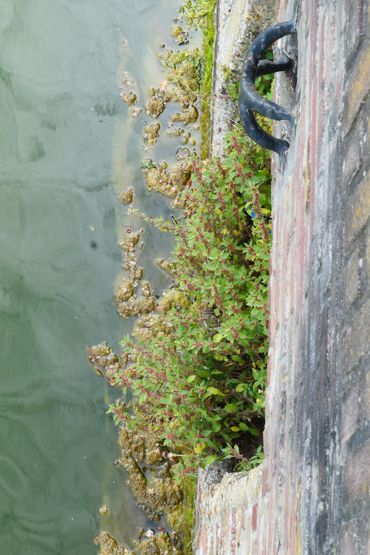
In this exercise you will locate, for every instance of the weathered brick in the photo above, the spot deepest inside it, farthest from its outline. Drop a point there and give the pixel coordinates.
(356, 147)
(352, 279)
(359, 85)
(358, 210)
(254, 517)
(356, 479)
(350, 412)
(366, 393)
(320, 305)
(355, 339)
(349, 540)
(367, 256)
(356, 19)
(265, 481)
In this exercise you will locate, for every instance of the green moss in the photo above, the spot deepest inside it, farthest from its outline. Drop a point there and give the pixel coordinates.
(189, 487)
(206, 84)
(199, 14)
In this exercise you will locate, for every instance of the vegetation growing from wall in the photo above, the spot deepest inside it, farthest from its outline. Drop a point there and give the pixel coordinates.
(200, 14)
(193, 372)
(196, 367)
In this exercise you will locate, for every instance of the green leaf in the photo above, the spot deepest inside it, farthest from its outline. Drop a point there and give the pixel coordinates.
(191, 378)
(210, 459)
(199, 447)
(214, 391)
(231, 407)
(240, 387)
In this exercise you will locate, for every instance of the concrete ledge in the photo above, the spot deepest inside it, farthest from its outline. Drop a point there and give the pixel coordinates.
(238, 22)
(224, 519)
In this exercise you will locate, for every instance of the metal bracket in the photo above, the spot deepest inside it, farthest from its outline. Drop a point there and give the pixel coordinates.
(249, 99)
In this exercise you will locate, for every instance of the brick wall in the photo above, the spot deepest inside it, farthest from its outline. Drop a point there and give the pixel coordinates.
(314, 496)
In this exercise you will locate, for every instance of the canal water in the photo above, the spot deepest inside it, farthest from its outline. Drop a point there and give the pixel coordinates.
(67, 145)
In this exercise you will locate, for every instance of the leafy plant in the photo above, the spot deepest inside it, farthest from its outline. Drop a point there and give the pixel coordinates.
(196, 369)
(196, 13)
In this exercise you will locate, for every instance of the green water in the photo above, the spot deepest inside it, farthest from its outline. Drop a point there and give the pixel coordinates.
(66, 145)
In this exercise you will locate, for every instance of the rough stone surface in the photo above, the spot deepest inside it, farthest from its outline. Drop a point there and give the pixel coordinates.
(237, 23)
(230, 506)
(312, 495)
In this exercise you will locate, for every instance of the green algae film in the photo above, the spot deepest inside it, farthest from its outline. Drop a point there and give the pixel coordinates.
(59, 112)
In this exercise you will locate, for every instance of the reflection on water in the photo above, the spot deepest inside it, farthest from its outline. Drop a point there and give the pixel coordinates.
(60, 111)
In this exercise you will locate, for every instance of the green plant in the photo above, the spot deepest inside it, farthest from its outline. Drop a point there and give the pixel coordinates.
(184, 74)
(196, 369)
(207, 71)
(263, 83)
(196, 13)
(242, 463)
(199, 14)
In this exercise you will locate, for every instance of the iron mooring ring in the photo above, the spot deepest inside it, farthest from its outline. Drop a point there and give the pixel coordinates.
(249, 99)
